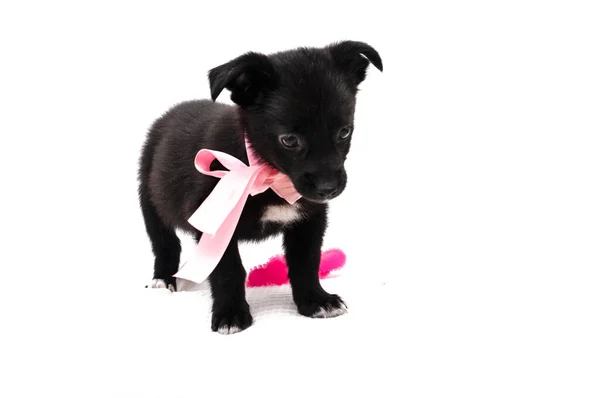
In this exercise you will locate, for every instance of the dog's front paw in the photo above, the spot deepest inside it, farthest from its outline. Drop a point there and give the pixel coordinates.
(231, 319)
(322, 305)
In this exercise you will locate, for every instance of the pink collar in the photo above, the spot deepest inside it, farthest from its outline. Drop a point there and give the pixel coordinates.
(218, 216)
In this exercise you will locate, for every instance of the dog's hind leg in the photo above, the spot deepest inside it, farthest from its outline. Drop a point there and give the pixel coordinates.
(165, 245)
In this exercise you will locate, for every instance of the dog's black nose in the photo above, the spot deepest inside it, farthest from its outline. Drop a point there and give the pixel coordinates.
(327, 190)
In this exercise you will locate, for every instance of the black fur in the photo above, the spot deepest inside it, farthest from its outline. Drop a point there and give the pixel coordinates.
(306, 93)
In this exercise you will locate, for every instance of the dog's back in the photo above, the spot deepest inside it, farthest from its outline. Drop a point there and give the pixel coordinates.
(169, 181)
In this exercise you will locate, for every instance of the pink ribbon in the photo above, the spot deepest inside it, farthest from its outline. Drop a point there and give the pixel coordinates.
(218, 215)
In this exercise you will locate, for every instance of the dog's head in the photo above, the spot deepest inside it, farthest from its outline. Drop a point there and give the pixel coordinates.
(297, 108)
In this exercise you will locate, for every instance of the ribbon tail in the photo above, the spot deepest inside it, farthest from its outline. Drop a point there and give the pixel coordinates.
(215, 209)
(212, 246)
(207, 255)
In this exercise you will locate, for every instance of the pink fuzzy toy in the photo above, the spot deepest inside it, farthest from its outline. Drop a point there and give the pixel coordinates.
(274, 272)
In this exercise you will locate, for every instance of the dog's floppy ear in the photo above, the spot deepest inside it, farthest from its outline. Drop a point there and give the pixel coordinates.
(353, 58)
(248, 77)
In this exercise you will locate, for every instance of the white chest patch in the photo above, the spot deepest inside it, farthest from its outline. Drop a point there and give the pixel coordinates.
(282, 214)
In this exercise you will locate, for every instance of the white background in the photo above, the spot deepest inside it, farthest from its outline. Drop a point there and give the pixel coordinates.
(471, 220)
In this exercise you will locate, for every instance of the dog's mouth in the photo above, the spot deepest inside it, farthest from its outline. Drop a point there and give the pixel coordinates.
(318, 197)
(307, 188)
(315, 200)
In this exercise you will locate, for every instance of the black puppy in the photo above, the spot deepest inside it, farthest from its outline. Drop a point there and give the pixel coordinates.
(296, 109)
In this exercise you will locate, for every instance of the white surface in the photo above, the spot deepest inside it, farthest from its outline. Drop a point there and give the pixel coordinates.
(484, 127)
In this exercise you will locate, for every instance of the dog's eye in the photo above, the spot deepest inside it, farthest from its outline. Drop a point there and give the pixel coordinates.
(289, 141)
(345, 133)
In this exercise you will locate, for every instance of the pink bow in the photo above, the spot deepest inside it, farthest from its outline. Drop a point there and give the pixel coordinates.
(218, 215)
